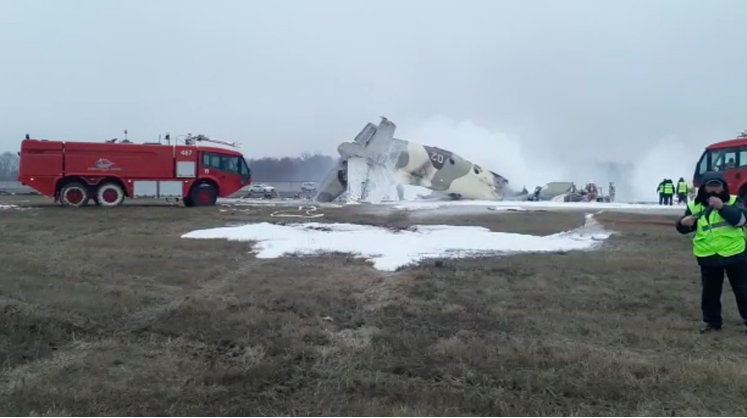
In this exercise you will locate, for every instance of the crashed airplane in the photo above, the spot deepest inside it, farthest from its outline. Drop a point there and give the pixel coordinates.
(375, 166)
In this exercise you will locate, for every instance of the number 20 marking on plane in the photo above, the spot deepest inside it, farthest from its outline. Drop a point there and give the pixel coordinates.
(186, 152)
(439, 158)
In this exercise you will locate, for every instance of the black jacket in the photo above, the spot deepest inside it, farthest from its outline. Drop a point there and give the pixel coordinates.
(735, 215)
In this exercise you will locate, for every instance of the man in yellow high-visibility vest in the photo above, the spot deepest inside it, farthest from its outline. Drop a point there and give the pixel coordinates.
(682, 189)
(717, 219)
(660, 191)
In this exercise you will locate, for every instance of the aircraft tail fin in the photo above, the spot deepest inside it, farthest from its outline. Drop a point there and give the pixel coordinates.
(379, 145)
(365, 170)
(365, 134)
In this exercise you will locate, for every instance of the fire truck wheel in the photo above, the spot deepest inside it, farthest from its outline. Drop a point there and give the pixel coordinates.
(203, 194)
(110, 194)
(74, 194)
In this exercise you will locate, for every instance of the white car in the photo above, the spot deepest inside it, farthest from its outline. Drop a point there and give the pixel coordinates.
(261, 188)
(308, 186)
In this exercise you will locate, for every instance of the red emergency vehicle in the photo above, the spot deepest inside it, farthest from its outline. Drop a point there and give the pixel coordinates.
(728, 156)
(108, 172)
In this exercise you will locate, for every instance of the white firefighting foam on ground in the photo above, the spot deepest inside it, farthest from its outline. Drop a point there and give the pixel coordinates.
(389, 250)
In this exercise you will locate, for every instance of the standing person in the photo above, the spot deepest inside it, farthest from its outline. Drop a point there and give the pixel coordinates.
(682, 190)
(611, 191)
(591, 191)
(717, 219)
(660, 190)
(668, 191)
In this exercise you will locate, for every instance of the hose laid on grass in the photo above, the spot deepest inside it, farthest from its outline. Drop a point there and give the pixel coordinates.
(306, 212)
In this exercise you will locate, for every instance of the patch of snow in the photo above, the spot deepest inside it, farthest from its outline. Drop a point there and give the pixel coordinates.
(559, 198)
(389, 250)
(2, 207)
(231, 202)
(413, 192)
(547, 205)
(508, 209)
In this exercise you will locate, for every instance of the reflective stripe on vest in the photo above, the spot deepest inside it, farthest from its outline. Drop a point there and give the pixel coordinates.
(713, 235)
(668, 188)
(682, 187)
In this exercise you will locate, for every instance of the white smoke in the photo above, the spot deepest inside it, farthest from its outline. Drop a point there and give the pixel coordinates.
(667, 158)
(635, 179)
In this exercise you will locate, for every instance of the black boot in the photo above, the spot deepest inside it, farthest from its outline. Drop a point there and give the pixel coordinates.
(710, 328)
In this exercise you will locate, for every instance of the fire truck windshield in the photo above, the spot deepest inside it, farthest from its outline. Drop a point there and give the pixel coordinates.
(728, 160)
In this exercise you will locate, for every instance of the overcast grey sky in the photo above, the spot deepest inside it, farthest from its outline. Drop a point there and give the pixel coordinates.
(579, 79)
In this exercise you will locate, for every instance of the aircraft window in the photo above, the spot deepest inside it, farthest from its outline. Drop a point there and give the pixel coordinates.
(477, 169)
(451, 160)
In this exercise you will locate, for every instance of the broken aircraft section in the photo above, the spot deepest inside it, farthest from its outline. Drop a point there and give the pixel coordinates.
(375, 165)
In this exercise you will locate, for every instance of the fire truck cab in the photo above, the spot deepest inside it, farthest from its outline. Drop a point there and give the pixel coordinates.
(730, 157)
(74, 173)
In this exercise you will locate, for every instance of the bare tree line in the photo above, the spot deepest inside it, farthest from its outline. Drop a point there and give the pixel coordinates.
(307, 167)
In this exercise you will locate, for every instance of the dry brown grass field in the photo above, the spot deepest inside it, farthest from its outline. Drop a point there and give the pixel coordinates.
(109, 312)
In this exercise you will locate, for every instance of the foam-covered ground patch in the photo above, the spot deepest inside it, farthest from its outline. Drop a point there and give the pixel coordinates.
(389, 250)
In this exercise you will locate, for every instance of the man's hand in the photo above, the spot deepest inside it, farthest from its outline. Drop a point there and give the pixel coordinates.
(715, 202)
(688, 220)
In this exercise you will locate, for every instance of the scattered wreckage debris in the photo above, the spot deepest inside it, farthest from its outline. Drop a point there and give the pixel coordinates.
(566, 191)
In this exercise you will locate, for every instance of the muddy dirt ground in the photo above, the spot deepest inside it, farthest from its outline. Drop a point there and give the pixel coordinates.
(109, 312)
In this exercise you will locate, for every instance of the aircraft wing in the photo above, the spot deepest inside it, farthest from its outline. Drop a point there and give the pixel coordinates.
(334, 184)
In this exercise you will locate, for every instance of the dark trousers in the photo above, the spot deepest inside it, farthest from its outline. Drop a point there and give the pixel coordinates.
(661, 198)
(682, 198)
(667, 199)
(712, 280)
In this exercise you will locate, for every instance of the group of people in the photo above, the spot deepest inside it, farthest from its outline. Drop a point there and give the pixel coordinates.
(667, 189)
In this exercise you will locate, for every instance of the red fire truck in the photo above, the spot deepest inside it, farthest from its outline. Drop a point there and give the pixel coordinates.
(73, 173)
(728, 156)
